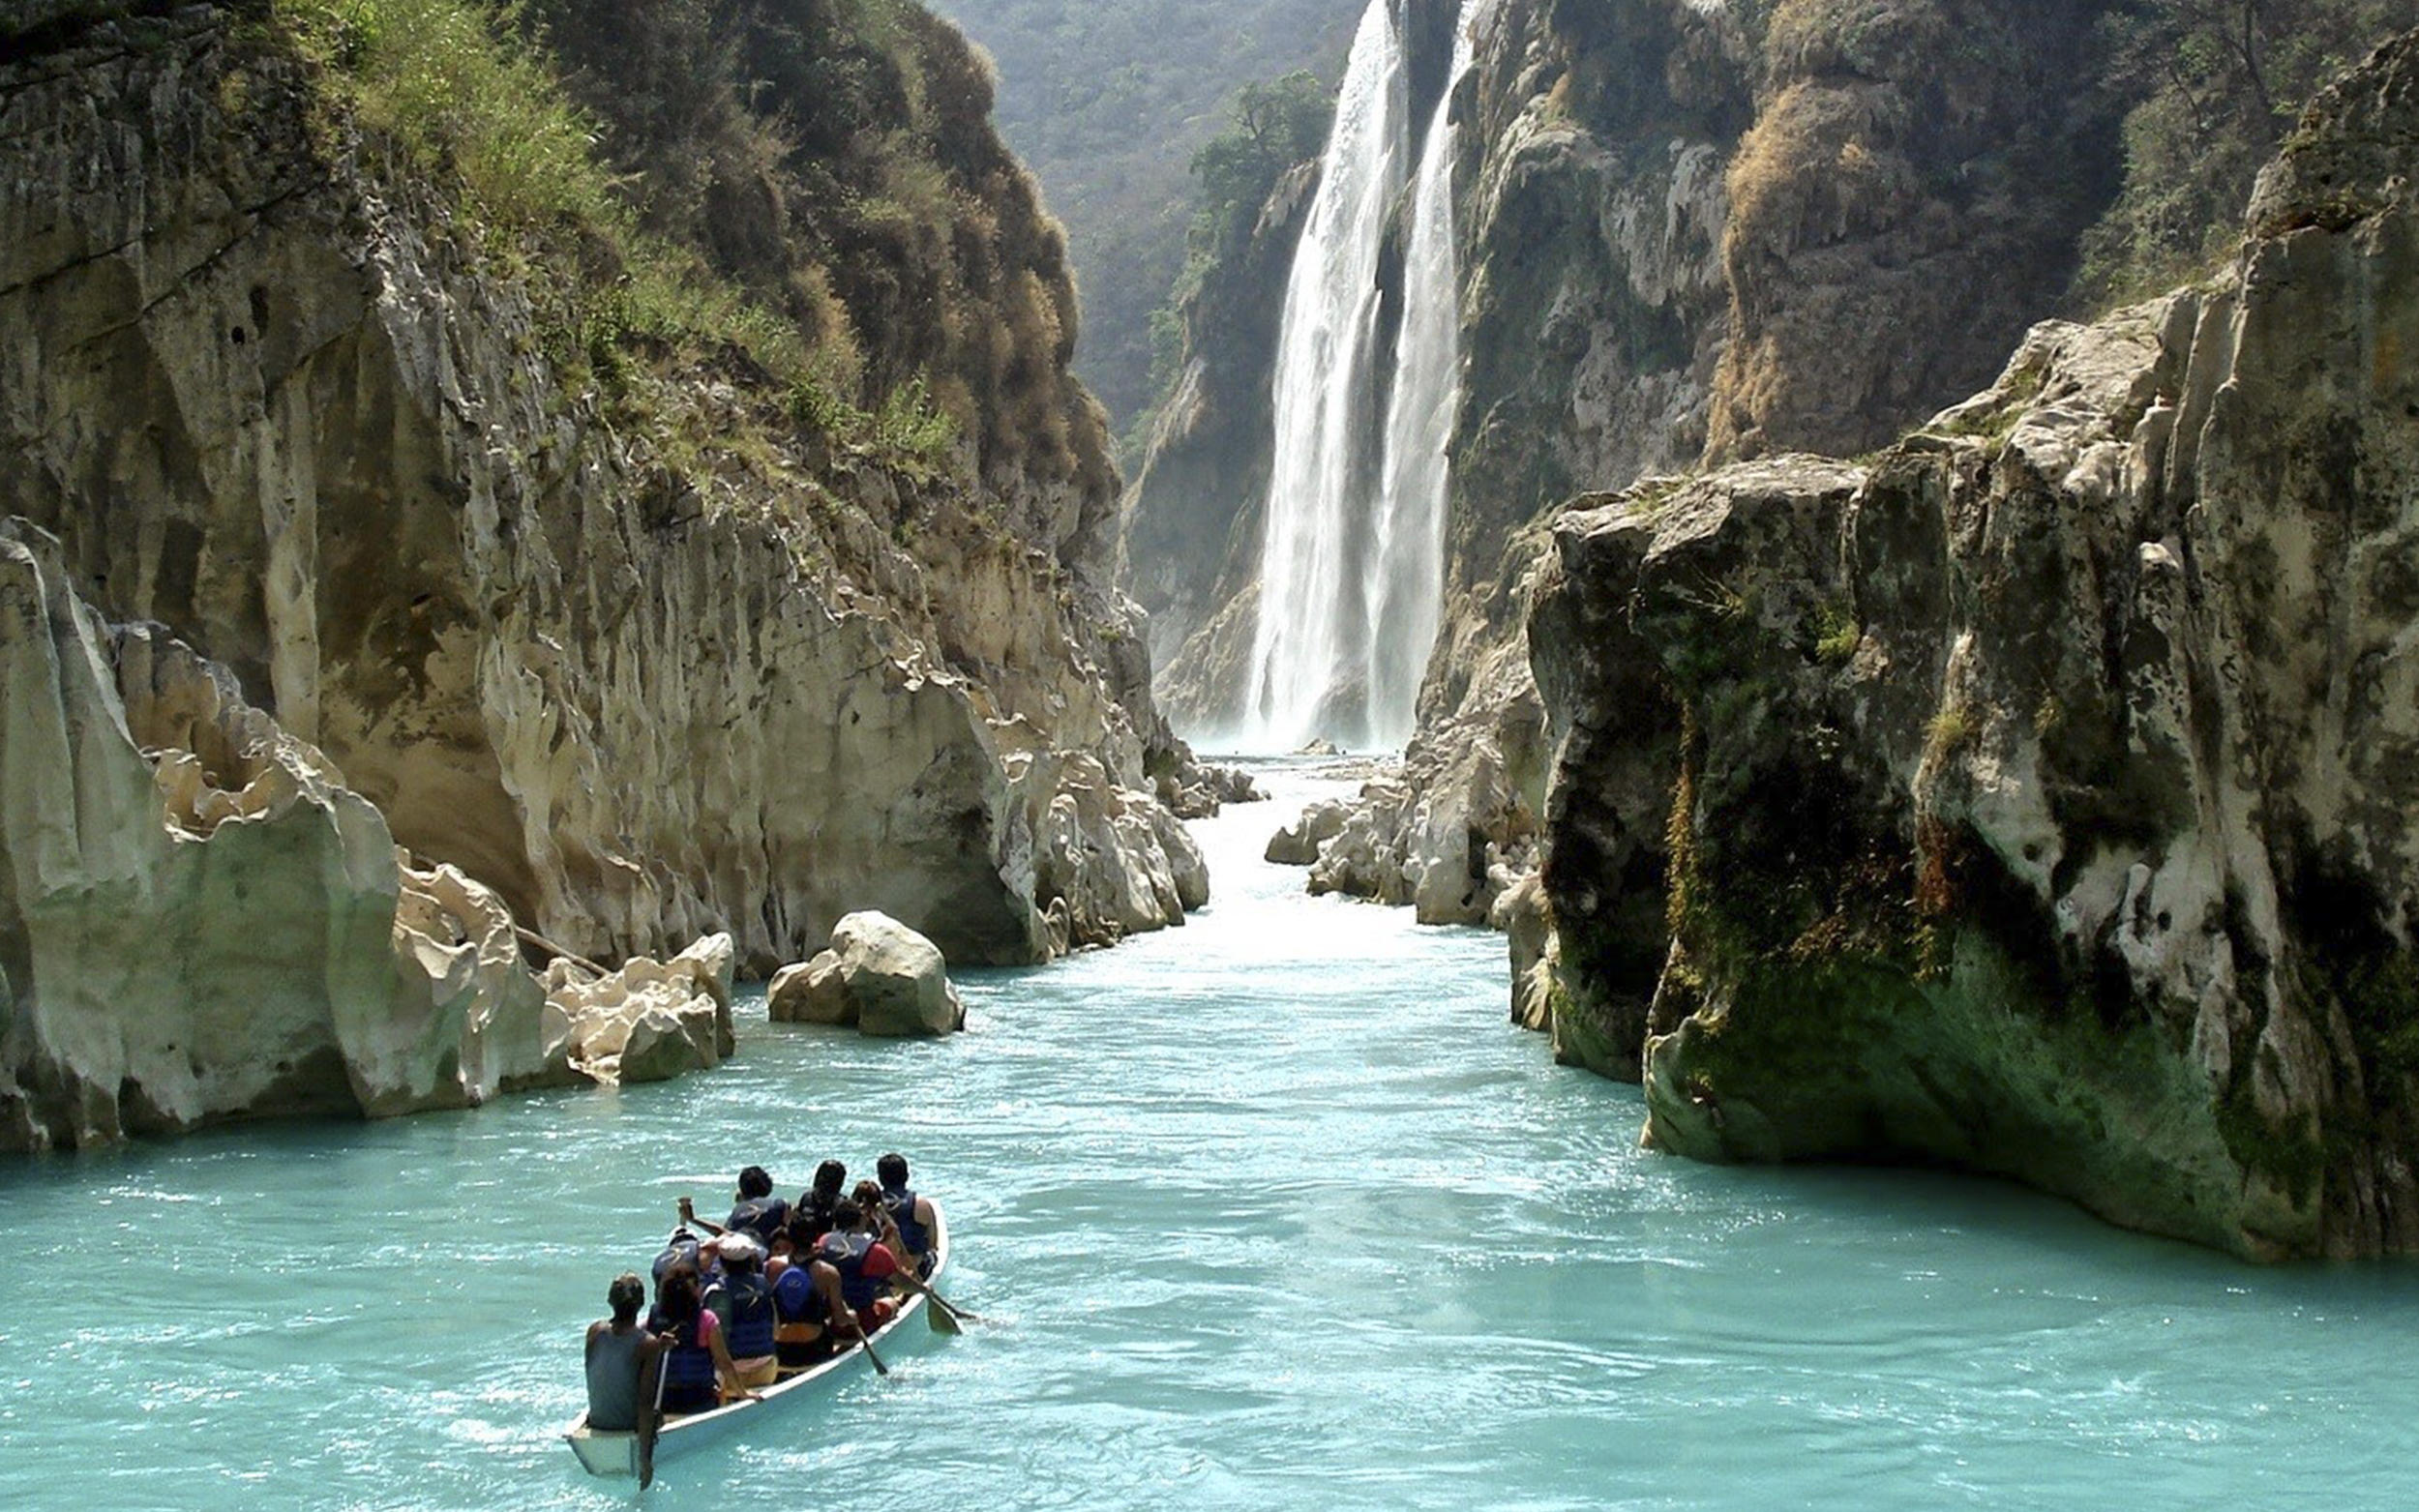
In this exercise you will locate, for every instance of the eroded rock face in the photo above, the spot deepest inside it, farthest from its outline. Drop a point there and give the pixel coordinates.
(2039, 798)
(1911, 197)
(267, 398)
(879, 975)
(199, 922)
(649, 1021)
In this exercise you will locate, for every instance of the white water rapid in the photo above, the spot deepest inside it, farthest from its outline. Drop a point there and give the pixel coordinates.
(1351, 570)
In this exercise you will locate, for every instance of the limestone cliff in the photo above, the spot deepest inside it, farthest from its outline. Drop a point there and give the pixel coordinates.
(1194, 509)
(198, 921)
(275, 385)
(2036, 795)
(1692, 231)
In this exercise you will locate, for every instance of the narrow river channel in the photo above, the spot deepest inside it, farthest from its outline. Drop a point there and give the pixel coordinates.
(1272, 1211)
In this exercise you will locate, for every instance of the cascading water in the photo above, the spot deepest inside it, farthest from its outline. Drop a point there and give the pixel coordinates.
(1352, 568)
(1306, 647)
(1404, 579)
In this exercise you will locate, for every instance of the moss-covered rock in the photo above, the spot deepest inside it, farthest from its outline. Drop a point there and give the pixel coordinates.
(2039, 800)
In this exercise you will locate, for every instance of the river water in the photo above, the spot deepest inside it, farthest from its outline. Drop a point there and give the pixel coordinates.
(1272, 1211)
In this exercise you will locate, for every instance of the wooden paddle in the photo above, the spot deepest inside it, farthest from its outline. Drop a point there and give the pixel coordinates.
(866, 1339)
(946, 1317)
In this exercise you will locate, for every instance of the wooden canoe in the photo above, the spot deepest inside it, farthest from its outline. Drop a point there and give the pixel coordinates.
(606, 1452)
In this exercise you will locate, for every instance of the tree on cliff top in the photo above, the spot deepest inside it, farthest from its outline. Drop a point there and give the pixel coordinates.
(1272, 127)
(2216, 83)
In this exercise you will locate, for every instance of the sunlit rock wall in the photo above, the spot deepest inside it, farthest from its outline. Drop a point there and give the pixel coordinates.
(2039, 795)
(259, 384)
(198, 921)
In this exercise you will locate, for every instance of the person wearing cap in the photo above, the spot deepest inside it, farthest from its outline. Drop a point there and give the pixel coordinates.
(755, 1210)
(681, 1249)
(624, 1361)
(741, 1298)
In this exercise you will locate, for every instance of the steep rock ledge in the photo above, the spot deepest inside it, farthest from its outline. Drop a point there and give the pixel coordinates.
(198, 921)
(2038, 798)
(270, 393)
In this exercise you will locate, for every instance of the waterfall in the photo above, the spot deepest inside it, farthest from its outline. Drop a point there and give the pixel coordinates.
(1404, 576)
(1351, 571)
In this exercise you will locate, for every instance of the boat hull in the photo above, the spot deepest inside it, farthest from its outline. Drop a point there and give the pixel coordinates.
(610, 1453)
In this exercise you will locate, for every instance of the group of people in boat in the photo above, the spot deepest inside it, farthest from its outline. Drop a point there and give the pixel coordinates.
(775, 1288)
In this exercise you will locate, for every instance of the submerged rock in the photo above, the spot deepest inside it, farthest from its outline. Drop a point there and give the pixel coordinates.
(2038, 796)
(879, 975)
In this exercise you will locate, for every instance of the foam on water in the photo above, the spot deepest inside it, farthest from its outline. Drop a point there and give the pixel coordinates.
(1271, 1211)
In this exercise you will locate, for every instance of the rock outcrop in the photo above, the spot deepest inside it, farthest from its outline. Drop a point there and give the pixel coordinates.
(651, 1021)
(2036, 796)
(269, 392)
(198, 921)
(878, 976)
(1679, 222)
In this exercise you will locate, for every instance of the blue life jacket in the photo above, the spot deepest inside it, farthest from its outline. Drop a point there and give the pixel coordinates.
(913, 1234)
(676, 1251)
(751, 1325)
(796, 1298)
(688, 1365)
(857, 1289)
(765, 1217)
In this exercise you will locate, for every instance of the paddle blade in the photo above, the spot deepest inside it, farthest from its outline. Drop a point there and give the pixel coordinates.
(943, 1320)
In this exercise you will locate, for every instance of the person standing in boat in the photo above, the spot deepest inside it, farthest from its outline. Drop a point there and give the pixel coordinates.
(695, 1359)
(756, 1210)
(911, 1216)
(623, 1361)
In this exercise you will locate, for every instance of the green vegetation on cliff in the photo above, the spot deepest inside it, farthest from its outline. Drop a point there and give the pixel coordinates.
(1109, 99)
(2211, 87)
(801, 199)
(1272, 127)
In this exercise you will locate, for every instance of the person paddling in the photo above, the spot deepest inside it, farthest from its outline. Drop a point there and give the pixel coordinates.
(623, 1363)
(755, 1211)
(743, 1300)
(810, 1218)
(695, 1359)
(812, 1317)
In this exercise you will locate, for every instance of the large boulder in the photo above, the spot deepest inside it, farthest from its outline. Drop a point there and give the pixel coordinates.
(879, 975)
(649, 1021)
(1297, 844)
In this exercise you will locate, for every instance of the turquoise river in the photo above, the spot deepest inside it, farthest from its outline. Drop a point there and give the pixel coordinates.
(1271, 1211)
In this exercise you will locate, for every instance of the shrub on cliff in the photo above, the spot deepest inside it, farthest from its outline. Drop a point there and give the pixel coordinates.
(2213, 86)
(1272, 127)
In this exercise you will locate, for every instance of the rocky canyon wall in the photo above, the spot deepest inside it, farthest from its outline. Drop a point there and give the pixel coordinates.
(272, 386)
(197, 920)
(2035, 796)
(1693, 232)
